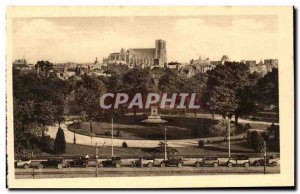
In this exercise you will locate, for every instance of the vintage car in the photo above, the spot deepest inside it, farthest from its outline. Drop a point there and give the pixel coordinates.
(112, 162)
(172, 161)
(143, 161)
(23, 163)
(192, 161)
(270, 161)
(79, 162)
(56, 163)
(239, 161)
(208, 161)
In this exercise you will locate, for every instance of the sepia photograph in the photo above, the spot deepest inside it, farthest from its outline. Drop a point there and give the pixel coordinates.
(150, 97)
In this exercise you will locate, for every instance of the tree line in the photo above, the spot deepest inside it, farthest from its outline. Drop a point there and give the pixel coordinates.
(228, 90)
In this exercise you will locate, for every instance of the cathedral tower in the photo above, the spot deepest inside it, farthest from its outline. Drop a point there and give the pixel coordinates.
(160, 52)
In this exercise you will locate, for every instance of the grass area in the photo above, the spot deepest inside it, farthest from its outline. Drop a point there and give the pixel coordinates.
(75, 149)
(105, 151)
(130, 127)
(259, 126)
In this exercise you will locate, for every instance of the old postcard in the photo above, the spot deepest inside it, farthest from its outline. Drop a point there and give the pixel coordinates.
(150, 97)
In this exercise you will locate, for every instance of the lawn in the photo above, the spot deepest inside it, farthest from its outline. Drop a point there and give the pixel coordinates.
(104, 152)
(130, 127)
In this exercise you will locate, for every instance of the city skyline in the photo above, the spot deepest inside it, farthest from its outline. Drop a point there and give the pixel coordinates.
(84, 39)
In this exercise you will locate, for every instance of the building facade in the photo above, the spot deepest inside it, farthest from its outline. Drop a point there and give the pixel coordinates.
(270, 64)
(146, 57)
(262, 67)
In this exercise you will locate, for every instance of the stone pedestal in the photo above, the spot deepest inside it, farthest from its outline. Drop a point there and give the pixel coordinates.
(154, 117)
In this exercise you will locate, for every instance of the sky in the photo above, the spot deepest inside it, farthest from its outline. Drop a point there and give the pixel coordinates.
(82, 39)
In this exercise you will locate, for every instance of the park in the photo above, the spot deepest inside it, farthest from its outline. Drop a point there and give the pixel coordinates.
(55, 117)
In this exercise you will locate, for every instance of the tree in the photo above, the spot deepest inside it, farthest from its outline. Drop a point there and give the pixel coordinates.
(267, 89)
(60, 120)
(256, 141)
(170, 82)
(246, 103)
(247, 97)
(23, 114)
(87, 96)
(221, 129)
(38, 102)
(276, 139)
(45, 115)
(137, 80)
(43, 67)
(60, 142)
(114, 83)
(222, 101)
(195, 84)
(124, 144)
(227, 88)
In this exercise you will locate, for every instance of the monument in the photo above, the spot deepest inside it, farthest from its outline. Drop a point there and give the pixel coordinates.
(154, 117)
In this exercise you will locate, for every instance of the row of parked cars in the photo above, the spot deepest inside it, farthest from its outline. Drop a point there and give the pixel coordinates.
(178, 161)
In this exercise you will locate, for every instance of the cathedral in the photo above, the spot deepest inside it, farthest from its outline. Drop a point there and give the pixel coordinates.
(146, 57)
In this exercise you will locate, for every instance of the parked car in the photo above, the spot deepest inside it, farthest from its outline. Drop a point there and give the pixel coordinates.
(143, 161)
(112, 162)
(23, 163)
(208, 161)
(191, 161)
(270, 161)
(273, 161)
(58, 163)
(239, 161)
(172, 161)
(79, 162)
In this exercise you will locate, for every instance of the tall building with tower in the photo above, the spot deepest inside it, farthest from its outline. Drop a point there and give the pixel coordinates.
(145, 57)
(160, 52)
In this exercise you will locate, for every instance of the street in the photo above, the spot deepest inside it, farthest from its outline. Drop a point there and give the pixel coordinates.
(127, 171)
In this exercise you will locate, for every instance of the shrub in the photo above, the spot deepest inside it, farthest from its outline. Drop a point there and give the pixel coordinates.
(276, 139)
(60, 142)
(247, 127)
(265, 136)
(201, 143)
(256, 141)
(273, 143)
(240, 128)
(124, 145)
(221, 129)
(107, 133)
(195, 132)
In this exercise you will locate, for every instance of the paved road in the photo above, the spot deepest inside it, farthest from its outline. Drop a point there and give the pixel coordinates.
(127, 171)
